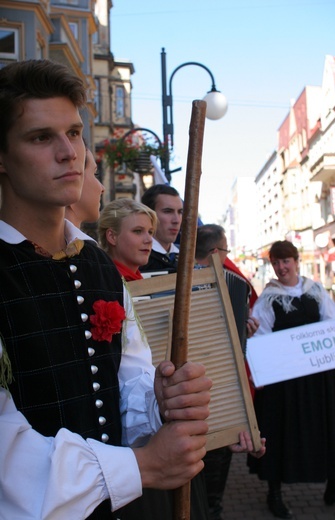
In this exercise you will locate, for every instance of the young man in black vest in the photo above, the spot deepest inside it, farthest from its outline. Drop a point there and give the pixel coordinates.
(83, 384)
(165, 200)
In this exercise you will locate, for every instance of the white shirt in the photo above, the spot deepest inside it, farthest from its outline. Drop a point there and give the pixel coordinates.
(53, 478)
(156, 246)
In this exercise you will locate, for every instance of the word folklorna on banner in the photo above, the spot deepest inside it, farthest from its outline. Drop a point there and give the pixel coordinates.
(292, 353)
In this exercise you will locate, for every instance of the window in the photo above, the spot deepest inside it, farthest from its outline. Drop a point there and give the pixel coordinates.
(40, 46)
(332, 199)
(74, 29)
(119, 102)
(95, 38)
(9, 43)
(39, 51)
(97, 100)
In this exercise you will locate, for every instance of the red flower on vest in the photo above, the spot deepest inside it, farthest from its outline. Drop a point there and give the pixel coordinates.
(107, 320)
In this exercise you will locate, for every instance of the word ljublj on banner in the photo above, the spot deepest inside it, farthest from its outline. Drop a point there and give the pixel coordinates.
(292, 353)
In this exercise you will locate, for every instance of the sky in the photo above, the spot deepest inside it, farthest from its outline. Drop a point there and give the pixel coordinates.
(262, 54)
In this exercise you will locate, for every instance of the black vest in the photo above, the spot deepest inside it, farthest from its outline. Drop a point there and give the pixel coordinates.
(306, 310)
(62, 378)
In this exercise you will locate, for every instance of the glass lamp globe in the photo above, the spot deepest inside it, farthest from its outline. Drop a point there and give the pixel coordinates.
(217, 104)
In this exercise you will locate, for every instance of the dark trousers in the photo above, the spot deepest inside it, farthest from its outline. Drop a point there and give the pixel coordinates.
(217, 463)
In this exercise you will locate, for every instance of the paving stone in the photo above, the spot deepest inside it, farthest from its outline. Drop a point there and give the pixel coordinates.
(245, 497)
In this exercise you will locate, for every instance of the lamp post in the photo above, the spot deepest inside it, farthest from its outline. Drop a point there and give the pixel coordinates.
(216, 107)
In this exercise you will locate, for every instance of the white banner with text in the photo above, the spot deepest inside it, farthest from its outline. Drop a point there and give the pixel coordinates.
(292, 353)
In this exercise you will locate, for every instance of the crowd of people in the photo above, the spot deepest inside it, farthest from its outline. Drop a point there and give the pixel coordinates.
(89, 428)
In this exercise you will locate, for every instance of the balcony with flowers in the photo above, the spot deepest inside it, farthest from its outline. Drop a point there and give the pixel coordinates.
(132, 149)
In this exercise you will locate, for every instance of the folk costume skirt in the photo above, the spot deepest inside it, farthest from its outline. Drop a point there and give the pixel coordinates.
(297, 417)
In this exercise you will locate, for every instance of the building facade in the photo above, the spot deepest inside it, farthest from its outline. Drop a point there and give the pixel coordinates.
(322, 172)
(295, 189)
(240, 224)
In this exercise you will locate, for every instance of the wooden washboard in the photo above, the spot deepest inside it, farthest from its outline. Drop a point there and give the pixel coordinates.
(213, 341)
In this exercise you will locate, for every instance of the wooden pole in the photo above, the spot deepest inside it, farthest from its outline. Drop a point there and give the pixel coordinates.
(182, 301)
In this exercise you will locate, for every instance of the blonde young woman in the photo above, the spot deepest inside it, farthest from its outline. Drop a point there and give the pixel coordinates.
(126, 230)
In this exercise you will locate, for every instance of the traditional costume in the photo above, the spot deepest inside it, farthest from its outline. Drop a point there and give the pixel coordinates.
(70, 383)
(296, 416)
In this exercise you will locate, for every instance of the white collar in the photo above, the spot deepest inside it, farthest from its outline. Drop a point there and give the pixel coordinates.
(12, 236)
(156, 246)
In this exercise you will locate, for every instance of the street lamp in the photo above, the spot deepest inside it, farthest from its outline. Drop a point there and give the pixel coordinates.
(216, 107)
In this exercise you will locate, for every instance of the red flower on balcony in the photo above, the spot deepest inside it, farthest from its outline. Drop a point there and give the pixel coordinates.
(130, 148)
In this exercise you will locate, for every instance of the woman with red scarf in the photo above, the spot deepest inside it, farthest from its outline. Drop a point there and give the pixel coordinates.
(126, 228)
